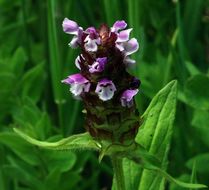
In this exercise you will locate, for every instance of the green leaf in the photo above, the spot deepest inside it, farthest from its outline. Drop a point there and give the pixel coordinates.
(201, 161)
(52, 180)
(149, 162)
(61, 161)
(33, 82)
(79, 141)
(156, 130)
(24, 150)
(32, 119)
(22, 172)
(192, 69)
(154, 135)
(197, 92)
(183, 177)
(17, 173)
(6, 85)
(200, 122)
(180, 183)
(18, 61)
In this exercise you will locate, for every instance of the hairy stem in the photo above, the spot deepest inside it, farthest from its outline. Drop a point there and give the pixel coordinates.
(118, 172)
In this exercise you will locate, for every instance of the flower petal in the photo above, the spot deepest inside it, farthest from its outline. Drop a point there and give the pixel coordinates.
(119, 46)
(75, 78)
(77, 62)
(129, 62)
(78, 84)
(74, 42)
(90, 44)
(70, 26)
(80, 33)
(123, 35)
(127, 97)
(76, 89)
(118, 25)
(98, 65)
(131, 46)
(105, 89)
(90, 30)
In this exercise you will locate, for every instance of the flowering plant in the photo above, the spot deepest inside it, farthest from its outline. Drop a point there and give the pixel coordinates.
(113, 125)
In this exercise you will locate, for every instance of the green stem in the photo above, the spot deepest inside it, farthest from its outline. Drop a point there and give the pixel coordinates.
(118, 172)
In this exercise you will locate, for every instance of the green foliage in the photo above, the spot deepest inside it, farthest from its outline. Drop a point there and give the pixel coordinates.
(154, 135)
(156, 130)
(195, 96)
(34, 58)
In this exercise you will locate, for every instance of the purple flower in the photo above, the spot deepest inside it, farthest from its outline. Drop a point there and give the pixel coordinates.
(127, 97)
(123, 35)
(71, 27)
(131, 46)
(92, 40)
(98, 65)
(128, 47)
(105, 89)
(118, 25)
(78, 84)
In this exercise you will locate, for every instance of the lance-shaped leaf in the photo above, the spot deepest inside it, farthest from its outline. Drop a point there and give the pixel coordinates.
(154, 135)
(150, 163)
(80, 141)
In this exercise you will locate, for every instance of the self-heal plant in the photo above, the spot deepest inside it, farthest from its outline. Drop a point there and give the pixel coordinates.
(114, 127)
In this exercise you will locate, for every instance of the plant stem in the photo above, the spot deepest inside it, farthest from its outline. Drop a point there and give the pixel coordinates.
(118, 172)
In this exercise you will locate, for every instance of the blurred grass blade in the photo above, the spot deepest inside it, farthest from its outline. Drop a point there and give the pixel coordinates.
(181, 45)
(194, 173)
(55, 66)
(170, 60)
(111, 11)
(192, 20)
(80, 141)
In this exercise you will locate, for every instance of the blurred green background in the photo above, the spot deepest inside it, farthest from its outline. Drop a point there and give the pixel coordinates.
(35, 57)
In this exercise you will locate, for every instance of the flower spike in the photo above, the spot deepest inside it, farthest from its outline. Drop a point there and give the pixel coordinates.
(104, 84)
